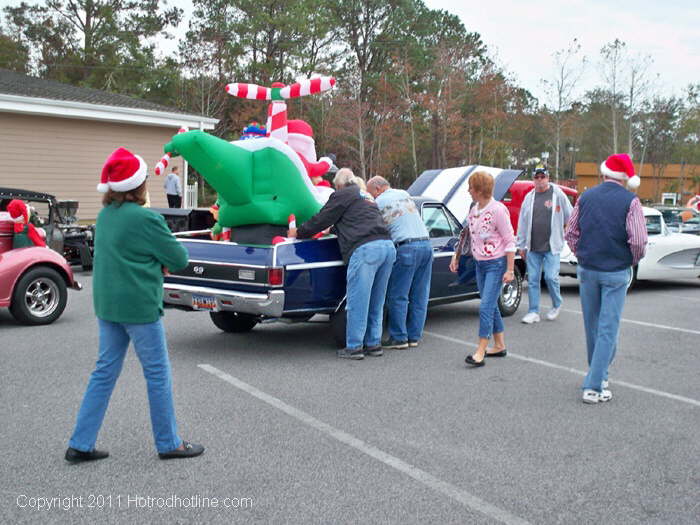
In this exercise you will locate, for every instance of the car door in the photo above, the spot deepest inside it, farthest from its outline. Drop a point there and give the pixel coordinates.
(443, 231)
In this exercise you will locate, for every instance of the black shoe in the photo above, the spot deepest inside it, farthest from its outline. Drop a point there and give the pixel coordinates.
(78, 456)
(347, 353)
(413, 344)
(471, 361)
(191, 450)
(396, 345)
(374, 351)
(502, 353)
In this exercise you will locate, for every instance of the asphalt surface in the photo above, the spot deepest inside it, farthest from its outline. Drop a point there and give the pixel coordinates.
(294, 435)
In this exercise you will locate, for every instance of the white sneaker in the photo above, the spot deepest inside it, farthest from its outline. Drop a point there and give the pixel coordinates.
(532, 317)
(553, 313)
(592, 397)
(605, 384)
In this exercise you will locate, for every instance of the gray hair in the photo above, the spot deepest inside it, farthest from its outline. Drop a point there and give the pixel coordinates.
(378, 182)
(344, 177)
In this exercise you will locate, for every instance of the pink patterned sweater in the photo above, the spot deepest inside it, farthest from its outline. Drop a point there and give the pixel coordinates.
(491, 231)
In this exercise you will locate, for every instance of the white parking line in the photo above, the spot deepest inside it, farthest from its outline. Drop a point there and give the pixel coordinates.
(451, 491)
(640, 388)
(643, 323)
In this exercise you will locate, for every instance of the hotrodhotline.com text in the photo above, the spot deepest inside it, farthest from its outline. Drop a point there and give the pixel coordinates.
(130, 501)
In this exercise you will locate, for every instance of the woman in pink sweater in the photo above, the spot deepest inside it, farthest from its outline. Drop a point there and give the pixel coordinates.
(493, 249)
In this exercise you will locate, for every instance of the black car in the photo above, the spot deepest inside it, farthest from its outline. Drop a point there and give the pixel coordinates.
(58, 219)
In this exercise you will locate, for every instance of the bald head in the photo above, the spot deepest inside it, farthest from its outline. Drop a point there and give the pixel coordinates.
(377, 185)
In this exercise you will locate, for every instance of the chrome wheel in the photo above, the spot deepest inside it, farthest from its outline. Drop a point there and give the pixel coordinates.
(509, 294)
(42, 297)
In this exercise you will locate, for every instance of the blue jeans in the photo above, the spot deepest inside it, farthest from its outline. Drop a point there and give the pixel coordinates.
(150, 346)
(535, 262)
(369, 269)
(489, 279)
(602, 298)
(409, 290)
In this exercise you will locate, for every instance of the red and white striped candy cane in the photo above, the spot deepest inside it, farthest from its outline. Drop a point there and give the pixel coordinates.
(277, 111)
(165, 159)
(277, 117)
(249, 91)
(308, 86)
(277, 121)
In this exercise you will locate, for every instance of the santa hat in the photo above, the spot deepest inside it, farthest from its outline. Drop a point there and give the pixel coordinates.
(620, 167)
(19, 213)
(123, 171)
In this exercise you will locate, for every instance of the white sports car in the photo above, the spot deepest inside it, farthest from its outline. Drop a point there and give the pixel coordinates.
(669, 255)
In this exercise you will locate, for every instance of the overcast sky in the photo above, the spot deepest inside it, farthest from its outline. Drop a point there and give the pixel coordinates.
(522, 35)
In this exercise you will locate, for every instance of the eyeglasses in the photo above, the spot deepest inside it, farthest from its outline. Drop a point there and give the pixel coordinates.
(540, 176)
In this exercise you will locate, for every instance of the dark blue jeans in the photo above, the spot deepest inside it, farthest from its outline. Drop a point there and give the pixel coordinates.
(409, 290)
(489, 279)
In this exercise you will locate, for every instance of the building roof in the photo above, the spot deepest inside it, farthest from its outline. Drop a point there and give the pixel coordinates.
(12, 83)
(23, 94)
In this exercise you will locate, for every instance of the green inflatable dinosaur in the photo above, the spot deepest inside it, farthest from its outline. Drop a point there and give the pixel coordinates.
(259, 181)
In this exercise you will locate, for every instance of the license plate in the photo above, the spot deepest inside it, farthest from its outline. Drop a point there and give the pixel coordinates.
(203, 302)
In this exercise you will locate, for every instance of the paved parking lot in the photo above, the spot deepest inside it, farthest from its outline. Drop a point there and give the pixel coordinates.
(295, 435)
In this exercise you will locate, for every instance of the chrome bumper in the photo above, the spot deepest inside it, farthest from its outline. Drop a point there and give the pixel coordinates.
(269, 304)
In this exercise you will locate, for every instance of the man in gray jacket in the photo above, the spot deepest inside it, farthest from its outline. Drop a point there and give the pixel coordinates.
(543, 217)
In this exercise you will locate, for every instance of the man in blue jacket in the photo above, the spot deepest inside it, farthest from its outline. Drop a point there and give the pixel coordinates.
(607, 233)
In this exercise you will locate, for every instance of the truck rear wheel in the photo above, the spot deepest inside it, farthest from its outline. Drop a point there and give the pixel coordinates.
(233, 322)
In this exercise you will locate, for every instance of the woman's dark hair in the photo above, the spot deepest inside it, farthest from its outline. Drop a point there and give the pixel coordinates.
(137, 195)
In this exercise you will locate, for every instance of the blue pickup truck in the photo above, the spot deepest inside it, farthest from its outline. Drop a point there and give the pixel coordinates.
(241, 284)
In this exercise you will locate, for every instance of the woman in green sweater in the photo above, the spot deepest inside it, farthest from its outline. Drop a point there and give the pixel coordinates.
(133, 248)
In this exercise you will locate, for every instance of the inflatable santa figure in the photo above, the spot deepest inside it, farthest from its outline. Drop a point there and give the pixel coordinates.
(300, 137)
(26, 234)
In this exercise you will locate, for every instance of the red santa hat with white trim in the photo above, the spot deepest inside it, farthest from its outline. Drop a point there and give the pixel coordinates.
(123, 171)
(620, 167)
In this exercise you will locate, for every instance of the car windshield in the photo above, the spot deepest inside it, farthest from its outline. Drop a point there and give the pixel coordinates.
(653, 224)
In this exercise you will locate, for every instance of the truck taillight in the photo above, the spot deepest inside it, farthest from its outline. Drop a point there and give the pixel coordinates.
(275, 276)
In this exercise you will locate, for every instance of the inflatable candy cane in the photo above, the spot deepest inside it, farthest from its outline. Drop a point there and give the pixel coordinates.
(277, 111)
(165, 159)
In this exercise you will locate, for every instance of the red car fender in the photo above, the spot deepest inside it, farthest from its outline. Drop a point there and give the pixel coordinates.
(516, 194)
(14, 263)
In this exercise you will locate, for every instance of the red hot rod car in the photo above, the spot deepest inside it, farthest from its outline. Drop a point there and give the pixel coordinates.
(34, 281)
